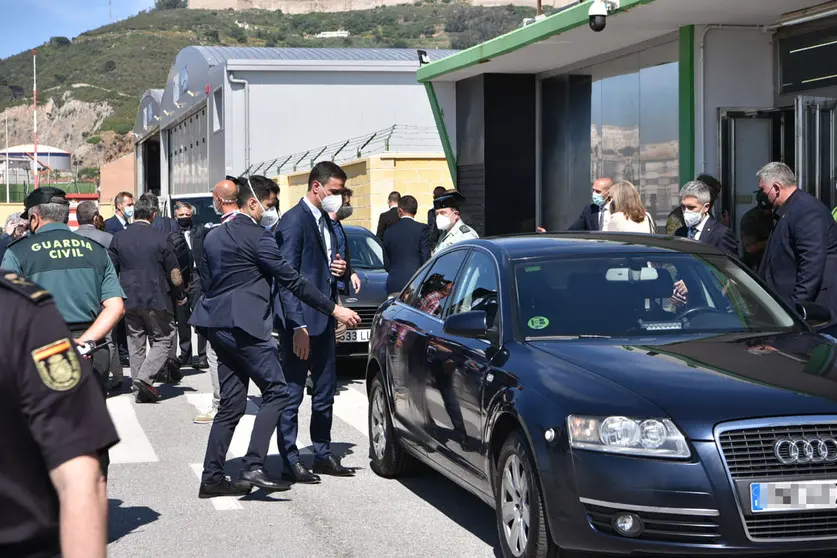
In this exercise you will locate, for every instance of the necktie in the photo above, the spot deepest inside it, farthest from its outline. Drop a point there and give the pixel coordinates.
(693, 232)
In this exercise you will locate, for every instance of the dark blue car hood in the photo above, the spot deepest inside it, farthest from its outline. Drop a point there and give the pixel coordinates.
(373, 290)
(701, 382)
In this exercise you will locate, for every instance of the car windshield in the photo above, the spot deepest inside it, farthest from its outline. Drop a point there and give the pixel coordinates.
(367, 252)
(641, 295)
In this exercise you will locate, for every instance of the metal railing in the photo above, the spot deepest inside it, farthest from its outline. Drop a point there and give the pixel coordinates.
(396, 138)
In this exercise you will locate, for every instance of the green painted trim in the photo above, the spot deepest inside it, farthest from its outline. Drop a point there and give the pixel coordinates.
(560, 22)
(686, 103)
(439, 117)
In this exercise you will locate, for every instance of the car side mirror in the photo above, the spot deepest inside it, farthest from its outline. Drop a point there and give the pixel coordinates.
(814, 314)
(473, 325)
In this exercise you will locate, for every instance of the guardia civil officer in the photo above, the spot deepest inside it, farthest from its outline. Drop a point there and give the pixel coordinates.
(75, 270)
(449, 221)
(53, 422)
(236, 314)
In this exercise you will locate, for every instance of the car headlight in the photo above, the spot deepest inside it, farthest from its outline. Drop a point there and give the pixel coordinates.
(630, 436)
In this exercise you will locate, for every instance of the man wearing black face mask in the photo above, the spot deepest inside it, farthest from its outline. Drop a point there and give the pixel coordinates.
(756, 226)
(193, 234)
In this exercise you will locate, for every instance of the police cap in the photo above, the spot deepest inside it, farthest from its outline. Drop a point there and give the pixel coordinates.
(40, 196)
(451, 198)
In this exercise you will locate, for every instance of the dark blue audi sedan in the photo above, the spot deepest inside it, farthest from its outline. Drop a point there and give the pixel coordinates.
(612, 393)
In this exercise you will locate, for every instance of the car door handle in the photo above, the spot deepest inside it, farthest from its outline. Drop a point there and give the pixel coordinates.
(431, 352)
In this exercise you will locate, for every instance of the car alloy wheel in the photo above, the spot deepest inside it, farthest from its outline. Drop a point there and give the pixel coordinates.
(516, 504)
(388, 458)
(378, 432)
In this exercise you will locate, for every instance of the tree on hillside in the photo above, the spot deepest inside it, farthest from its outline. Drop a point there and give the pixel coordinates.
(170, 4)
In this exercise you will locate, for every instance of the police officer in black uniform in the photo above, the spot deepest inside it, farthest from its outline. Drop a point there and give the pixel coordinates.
(75, 270)
(53, 422)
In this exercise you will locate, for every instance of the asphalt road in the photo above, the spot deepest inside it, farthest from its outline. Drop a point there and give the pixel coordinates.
(155, 511)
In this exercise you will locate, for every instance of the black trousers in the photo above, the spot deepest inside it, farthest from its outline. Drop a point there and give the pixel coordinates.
(183, 313)
(101, 371)
(120, 336)
(241, 358)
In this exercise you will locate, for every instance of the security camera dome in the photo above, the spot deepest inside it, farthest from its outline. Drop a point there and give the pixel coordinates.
(598, 23)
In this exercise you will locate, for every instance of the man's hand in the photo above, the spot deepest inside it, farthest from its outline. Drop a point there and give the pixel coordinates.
(355, 283)
(182, 301)
(338, 266)
(346, 316)
(302, 343)
(540, 230)
(680, 294)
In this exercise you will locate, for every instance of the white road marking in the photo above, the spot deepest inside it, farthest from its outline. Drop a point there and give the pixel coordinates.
(351, 406)
(221, 503)
(133, 446)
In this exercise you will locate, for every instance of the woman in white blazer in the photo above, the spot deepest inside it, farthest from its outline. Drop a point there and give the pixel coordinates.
(626, 212)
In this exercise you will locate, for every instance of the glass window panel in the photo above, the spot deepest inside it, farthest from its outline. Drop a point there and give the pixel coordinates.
(620, 122)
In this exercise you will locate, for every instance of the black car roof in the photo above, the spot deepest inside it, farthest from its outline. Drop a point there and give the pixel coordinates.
(569, 243)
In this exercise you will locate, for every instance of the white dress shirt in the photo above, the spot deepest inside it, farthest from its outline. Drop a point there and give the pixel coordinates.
(699, 227)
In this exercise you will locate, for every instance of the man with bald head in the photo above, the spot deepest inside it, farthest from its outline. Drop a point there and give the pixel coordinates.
(595, 216)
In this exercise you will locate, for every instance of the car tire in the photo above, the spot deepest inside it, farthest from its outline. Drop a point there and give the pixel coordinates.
(518, 503)
(388, 458)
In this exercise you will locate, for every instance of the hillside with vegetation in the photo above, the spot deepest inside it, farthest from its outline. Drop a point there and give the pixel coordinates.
(107, 69)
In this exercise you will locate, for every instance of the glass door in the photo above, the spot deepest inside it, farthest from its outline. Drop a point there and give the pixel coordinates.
(815, 147)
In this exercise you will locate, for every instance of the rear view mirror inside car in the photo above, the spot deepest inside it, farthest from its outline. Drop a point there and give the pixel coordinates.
(631, 275)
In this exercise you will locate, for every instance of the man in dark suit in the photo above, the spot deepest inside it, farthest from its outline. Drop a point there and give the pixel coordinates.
(307, 242)
(236, 313)
(193, 235)
(390, 217)
(149, 275)
(407, 245)
(435, 233)
(123, 205)
(800, 261)
(595, 215)
(696, 200)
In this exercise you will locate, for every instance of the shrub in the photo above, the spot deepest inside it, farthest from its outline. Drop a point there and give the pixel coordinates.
(60, 41)
(170, 4)
(94, 140)
(122, 129)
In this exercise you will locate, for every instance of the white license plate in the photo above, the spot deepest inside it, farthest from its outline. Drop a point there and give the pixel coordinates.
(793, 496)
(356, 336)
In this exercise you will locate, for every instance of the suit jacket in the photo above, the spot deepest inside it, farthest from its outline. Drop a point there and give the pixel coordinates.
(100, 237)
(716, 234)
(346, 254)
(5, 240)
(113, 225)
(588, 220)
(431, 224)
(144, 258)
(302, 246)
(407, 244)
(385, 221)
(800, 261)
(197, 233)
(243, 261)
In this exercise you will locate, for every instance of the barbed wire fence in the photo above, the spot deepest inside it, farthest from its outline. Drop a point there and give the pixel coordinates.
(397, 138)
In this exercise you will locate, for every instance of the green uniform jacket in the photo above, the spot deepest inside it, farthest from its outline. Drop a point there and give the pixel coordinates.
(75, 270)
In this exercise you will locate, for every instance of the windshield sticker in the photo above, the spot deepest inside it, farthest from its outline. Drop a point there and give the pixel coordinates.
(532, 268)
(538, 322)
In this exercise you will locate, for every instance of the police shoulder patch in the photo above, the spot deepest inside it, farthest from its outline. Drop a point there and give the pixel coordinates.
(26, 288)
(464, 228)
(58, 365)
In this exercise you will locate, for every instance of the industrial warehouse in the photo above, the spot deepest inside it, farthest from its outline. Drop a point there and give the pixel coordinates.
(226, 110)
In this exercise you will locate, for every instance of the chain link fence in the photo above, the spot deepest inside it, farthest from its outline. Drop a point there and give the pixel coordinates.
(396, 138)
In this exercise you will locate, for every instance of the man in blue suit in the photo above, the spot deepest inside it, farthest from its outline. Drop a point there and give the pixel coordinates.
(307, 242)
(123, 205)
(595, 215)
(696, 200)
(236, 314)
(407, 245)
(800, 260)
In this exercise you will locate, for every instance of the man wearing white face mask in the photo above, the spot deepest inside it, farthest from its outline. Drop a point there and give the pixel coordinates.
(307, 241)
(449, 221)
(696, 201)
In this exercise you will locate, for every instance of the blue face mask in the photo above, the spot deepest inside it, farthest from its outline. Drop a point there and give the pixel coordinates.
(128, 211)
(598, 199)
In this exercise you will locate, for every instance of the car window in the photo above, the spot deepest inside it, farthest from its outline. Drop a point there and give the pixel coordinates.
(477, 288)
(641, 295)
(439, 283)
(410, 292)
(367, 252)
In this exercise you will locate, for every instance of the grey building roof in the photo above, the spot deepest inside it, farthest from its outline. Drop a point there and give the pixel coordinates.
(218, 55)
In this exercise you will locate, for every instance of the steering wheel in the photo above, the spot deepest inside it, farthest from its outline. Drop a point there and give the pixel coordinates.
(691, 312)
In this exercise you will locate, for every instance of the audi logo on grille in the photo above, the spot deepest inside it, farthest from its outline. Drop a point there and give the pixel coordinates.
(813, 450)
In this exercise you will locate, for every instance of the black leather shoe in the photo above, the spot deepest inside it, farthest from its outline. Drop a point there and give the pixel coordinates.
(223, 488)
(146, 393)
(173, 368)
(331, 466)
(201, 364)
(260, 479)
(299, 473)
(184, 360)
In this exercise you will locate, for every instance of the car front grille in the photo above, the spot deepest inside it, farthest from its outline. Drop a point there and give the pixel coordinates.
(660, 526)
(749, 453)
(366, 313)
(800, 525)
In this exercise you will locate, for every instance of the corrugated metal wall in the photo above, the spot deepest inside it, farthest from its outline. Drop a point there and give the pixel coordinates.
(188, 165)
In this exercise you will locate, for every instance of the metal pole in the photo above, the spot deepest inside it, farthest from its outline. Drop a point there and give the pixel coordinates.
(8, 190)
(35, 96)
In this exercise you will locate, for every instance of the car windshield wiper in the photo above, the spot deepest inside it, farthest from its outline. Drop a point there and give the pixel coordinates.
(567, 337)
